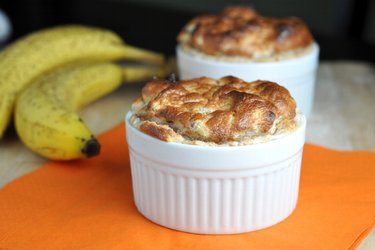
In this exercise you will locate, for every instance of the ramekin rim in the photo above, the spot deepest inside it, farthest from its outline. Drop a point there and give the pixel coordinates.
(301, 128)
(209, 61)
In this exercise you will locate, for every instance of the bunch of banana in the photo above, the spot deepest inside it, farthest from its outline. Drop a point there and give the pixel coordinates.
(43, 51)
(46, 117)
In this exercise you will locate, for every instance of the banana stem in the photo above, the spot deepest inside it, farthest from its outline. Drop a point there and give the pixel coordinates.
(143, 55)
(134, 73)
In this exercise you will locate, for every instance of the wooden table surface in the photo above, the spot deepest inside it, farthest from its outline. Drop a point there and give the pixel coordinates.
(343, 118)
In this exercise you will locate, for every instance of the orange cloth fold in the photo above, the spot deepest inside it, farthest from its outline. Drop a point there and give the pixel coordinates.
(89, 204)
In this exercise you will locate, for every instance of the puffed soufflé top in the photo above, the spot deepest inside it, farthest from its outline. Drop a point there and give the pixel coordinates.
(242, 32)
(227, 111)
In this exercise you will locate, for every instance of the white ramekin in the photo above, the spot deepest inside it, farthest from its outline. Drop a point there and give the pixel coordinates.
(215, 189)
(297, 74)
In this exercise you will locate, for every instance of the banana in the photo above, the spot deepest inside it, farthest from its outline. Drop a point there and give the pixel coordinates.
(46, 117)
(42, 51)
(45, 114)
(134, 73)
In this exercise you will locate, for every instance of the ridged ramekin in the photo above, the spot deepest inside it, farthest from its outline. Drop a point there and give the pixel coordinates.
(296, 74)
(215, 189)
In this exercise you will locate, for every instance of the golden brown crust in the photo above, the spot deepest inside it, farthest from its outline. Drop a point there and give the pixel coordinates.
(234, 11)
(209, 110)
(240, 31)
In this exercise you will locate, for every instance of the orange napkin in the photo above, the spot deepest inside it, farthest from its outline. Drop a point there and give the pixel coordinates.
(89, 205)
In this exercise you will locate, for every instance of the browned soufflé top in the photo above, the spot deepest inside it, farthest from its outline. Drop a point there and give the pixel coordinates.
(241, 31)
(225, 111)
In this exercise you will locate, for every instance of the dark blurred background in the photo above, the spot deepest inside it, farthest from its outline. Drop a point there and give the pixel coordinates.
(345, 29)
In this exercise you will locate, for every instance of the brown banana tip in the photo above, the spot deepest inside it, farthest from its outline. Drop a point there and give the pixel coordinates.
(91, 148)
